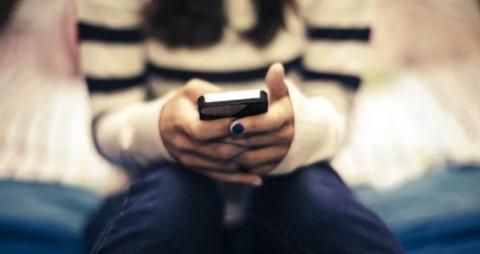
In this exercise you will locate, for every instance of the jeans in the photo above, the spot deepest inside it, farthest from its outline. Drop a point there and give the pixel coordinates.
(174, 210)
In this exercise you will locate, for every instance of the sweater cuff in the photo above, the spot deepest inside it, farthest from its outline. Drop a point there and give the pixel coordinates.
(131, 137)
(115, 4)
(319, 132)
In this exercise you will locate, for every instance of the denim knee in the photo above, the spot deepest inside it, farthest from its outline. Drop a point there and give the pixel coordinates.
(169, 209)
(176, 198)
(313, 210)
(311, 190)
(173, 187)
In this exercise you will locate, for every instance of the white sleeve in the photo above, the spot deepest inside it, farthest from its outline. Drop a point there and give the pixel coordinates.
(319, 131)
(337, 53)
(131, 136)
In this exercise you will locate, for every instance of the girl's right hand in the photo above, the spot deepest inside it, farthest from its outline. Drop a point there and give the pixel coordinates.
(198, 144)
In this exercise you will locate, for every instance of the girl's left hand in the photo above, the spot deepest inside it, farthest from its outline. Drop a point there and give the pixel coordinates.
(267, 136)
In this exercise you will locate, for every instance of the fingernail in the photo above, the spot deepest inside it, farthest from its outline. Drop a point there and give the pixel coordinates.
(237, 129)
(258, 182)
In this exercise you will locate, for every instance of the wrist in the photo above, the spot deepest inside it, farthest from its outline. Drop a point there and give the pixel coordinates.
(318, 132)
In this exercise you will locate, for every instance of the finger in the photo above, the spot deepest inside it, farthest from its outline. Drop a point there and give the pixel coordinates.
(196, 87)
(283, 136)
(220, 151)
(275, 80)
(240, 178)
(264, 169)
(216, 150)
(195, 162)
(261, 156)
(207, 130)
(278, 114)
(188, 121)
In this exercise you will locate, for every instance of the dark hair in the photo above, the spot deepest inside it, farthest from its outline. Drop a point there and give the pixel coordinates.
(197, 23)
(6, 9)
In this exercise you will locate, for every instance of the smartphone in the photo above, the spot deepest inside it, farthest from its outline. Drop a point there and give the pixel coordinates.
(232, 104)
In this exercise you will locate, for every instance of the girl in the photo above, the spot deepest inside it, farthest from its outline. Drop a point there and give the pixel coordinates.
(171, 52)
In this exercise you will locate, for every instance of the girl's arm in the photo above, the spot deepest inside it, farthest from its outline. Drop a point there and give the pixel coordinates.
(336, 55)
(125, 126)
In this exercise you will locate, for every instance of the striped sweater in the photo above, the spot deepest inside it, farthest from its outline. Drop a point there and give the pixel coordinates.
(324, 49)
(401, 127)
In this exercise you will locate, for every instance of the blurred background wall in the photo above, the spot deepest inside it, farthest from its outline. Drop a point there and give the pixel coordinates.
(420, 106)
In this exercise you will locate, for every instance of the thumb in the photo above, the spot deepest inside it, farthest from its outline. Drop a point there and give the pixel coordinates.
(275, 80)
(196, 87)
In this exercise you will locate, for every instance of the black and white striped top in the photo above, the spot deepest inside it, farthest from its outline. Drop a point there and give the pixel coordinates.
(324, 49)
